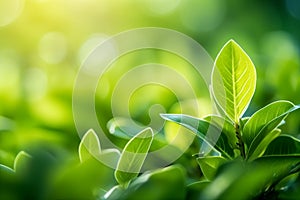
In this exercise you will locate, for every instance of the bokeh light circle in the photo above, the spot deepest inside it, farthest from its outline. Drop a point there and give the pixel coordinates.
(110, 50)
(10, 10)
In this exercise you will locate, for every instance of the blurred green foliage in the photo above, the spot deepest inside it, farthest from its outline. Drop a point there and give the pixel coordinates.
(43, 43)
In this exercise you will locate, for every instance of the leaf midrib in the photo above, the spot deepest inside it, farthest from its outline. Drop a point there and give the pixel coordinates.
(233, 83)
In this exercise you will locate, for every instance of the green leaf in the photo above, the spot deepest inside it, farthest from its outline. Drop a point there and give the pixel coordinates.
(233, 80)
(247, 180)
(5, 169)
(166, 183)
(227, 128)
(111, 156)
(114, 193)
(243, 121)
(283, 145)
(264, 121)
(124, 127)
(209, 133)
(21, 161)
(260, 149)
(89, 146)
(133, 156)
(209, 165)
(194, 189)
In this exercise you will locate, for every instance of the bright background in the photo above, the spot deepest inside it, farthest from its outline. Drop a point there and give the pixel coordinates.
(43, 43)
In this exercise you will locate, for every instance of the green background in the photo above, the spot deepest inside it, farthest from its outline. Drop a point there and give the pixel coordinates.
(43, 43)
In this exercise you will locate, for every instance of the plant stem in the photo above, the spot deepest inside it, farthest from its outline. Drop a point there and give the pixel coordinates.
(240, 142)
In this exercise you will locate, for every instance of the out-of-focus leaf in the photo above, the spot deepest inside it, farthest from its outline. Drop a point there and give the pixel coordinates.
(133, 156)
(264, 121)
(240, 180)
(291, 190)
(8, 182)
(21, 161)
(260, 149)
(233, 80)
(207, 132)
(5, 169)
(89, 146)
(209, 165)
(114, 193)
(79, 181)
(166, 183)
(194, 189)
(6, 124)
(124, 127)
(283, 145)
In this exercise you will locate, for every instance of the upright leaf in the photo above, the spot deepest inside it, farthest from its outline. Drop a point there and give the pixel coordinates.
(264, 121)
(133, 156)
(89, 146)
(233, 80)
(207, 132)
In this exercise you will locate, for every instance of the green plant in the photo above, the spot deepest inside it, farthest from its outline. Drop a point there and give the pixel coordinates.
(247, 158)
(257, 160)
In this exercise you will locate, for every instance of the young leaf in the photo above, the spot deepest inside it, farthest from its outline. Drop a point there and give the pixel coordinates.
(260, 149)
(133, 157)
(209, 165)
(264, 121)
(89, 146)
(207, 132)
(233, 80)
(283, 145)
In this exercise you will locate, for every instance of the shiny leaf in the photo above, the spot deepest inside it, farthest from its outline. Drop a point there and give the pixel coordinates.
(133, 156)
(233, 80)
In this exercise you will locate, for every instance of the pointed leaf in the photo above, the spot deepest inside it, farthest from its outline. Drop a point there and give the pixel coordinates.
(209, 165)
(283, 145)
(264, 121)
(260, 149)
(233, 80)
(89, 146)
(209, 133)
(133, 156)
(21, 161)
